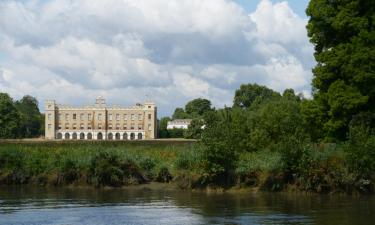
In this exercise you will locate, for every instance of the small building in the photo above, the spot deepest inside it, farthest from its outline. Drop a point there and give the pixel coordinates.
(100, 122)
(178, 124)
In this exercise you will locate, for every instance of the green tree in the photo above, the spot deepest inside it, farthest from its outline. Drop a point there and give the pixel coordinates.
(162, 127)
(250, 93)
(344, 82)
(197, 107)
(9, 117)
(179, 113)
(30, 117)
(194, 130)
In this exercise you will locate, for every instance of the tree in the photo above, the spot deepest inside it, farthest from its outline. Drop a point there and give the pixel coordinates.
(9, 118)
(30, 117)
(250, 93)
(344, 81)
(197, 107)
(163, 123)
(194, 130)
(179, 113)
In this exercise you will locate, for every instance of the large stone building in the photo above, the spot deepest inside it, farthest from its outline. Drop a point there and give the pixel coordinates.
(99, 122)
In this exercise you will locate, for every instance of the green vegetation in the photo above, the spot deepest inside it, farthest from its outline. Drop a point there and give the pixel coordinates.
(20, 119)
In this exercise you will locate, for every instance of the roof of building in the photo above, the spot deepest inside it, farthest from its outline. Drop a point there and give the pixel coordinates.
(179, 121)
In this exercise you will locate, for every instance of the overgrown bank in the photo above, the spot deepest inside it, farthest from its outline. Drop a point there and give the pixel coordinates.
(117, 164)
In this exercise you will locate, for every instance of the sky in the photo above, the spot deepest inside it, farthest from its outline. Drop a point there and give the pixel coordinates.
(166, 51)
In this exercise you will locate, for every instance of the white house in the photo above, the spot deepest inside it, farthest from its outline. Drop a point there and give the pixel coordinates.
(179, 123)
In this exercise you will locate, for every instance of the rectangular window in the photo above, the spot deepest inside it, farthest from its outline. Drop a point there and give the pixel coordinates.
(149, 116)
(149, 107)
(99, 126)
(110, 126)
(67, 126)
(125, 127)
(117, 116)
(139, 116)
(99, 116)
(81, 117)
(66, 116)
(125, 117)
(149, 127)
(110, 116)
(49, 116)
(89, 126)
(117, 126)
(74, 126)
(132, 126)
(89, 116)
(59, 126)
(49, 126)
(74, 116)
(139, 127)
(59, 116)
(132, 117)
(81, 126)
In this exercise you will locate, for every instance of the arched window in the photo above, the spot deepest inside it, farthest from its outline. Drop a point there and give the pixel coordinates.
(100, 136)
(81, 136)
(110, 136)
(67, 136)
(89, 136)
(59, 135)
(125, 136)
(74, 135)
(140, 136)
(132, 136)
(118, 136)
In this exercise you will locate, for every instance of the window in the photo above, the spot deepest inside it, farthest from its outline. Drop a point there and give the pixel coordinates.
(149, 116)
(125, 117)
(117, 116)
(89, 116)
(49, 116)
(99, 126)
(110, 126)
(110, 116)
(149, 107)
(74, 116)
(99, 116)
(49, 126)
(132, 126)
(117, 126)
(81, 126)
(81, 117)
(66, 116)
(132, 117)
(149, 127)
(89, 126)
(74, 126)
(139, 116)
(125, 127)
(67, 126)
(59, 116)
(59, 126)
(139, 127)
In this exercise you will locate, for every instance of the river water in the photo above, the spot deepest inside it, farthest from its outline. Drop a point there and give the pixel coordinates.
(62, 206)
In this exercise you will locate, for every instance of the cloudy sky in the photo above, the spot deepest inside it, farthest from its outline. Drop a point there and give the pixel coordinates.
(170, 50)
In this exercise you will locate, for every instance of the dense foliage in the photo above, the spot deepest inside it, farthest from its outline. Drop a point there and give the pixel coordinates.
(20, 119)
(344, 77)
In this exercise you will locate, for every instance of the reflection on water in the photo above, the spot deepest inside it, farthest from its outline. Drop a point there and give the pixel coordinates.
(142, 206)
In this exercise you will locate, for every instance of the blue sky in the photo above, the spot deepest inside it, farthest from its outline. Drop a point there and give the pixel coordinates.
(173, 51)
(298, 6)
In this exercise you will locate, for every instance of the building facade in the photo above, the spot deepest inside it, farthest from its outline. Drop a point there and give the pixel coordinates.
(99, 122)
(178, 124)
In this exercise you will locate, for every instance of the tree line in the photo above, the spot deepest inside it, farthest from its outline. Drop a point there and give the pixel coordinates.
(20, 118)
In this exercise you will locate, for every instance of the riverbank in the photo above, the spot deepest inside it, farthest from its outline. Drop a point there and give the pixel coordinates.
(176, 164)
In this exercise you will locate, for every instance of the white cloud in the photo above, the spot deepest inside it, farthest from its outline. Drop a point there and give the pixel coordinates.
(172, 51)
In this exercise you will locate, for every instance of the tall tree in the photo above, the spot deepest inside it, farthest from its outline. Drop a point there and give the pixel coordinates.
(344, 77)
(179, 113)
(30, 116)
(9, 118)
(250, 93)
(198, 107)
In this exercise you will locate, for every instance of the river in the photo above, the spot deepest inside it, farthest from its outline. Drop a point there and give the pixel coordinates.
(64, 206)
